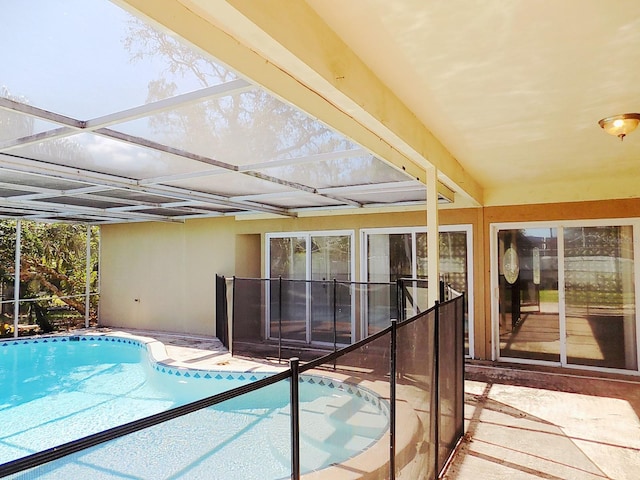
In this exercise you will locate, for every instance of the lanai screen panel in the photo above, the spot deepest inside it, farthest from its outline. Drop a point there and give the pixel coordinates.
(104, 155)
(241, 126)
(121, 110)
(88, 59)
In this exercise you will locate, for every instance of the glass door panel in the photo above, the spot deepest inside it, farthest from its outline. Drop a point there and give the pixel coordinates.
(529, 320)
(330, 259)
(453, 269)
(600, 297)
(288, 261)
(389, 258)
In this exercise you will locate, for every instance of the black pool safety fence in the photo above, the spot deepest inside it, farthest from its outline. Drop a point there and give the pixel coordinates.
(411, 371)
(322, 314)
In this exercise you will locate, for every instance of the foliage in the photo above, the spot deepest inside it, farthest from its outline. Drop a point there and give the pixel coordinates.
(52, 263)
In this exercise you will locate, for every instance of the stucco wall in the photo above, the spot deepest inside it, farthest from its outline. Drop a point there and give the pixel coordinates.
(161, 276)
(170, 268)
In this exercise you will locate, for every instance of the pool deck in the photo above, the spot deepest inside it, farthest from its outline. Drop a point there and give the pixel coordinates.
(521, 422)
(193, 351)
(525, 424)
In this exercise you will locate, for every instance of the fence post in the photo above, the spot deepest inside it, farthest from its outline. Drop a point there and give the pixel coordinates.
(392, 398)
(436, 383)
(335, 322)
(295, 419)
(233, 310)
(222, 321)
(279, 319)
(399, 298)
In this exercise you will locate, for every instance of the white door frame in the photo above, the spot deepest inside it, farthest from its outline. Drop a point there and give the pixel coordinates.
(307, 236)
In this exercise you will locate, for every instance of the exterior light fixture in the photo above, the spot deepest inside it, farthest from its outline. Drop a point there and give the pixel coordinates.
(620, 125)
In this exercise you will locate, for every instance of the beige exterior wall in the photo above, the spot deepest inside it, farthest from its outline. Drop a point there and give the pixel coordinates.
(170, 268)
(161, 276)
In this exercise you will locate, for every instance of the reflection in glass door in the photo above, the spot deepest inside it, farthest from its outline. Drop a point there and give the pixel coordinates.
(389, 258)
(600, 297)
(453, 267)
(308, 265)
(529, 321)
(566, 294)
(288, 261)
(331, 260)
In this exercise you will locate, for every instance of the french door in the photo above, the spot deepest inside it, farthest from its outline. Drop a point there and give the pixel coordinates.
(310, 280)
(566, 294)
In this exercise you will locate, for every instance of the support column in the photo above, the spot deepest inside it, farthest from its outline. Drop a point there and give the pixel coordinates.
(16, 280)
(433, 241)
(87, 291)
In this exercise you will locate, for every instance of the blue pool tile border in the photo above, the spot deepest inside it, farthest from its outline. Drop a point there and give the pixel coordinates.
(71, 338)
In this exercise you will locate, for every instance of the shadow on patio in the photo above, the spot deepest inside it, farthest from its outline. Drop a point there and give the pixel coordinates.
(524, 424)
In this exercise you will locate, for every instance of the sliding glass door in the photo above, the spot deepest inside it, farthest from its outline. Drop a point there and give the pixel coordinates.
(392, 254)
(306, 271)
(567, 295)
(529, 318)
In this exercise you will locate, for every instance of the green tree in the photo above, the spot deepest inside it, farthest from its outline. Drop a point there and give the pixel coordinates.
(52, 263)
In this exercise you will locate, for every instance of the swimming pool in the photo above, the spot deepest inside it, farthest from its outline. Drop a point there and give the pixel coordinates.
(58, 389)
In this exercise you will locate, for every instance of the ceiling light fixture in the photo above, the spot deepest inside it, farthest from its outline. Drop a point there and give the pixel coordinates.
(620, 125)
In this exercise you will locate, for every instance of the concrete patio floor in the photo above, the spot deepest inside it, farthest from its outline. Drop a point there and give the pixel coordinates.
(527, 424)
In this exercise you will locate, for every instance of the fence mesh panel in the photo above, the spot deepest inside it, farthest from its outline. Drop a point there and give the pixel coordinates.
(356, 417)
(451, 377)
(249, 295)
(416, 381)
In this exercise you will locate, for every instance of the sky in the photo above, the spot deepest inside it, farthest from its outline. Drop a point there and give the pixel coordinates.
(68, 56)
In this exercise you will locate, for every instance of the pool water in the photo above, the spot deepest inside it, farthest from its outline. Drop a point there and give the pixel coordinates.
(56, 391)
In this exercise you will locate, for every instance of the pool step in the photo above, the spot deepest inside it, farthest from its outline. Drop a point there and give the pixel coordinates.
(366, 421)
(333, 428)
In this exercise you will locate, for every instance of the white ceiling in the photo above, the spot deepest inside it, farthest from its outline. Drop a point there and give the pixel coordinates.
(513, 89)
